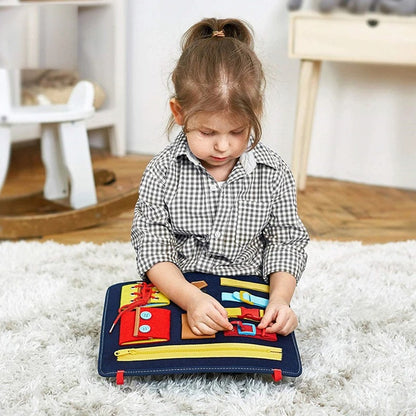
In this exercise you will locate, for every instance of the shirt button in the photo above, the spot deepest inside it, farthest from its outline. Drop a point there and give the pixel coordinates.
(217, 234)
(213, 187)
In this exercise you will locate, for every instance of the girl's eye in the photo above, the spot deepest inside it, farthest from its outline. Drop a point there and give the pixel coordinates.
(206, 133)
(238, 132)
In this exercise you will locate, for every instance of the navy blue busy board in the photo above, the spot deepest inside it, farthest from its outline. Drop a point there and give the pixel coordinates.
(144, 333)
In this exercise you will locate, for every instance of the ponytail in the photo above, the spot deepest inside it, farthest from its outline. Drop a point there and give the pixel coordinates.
(206, 28)
(219, 71)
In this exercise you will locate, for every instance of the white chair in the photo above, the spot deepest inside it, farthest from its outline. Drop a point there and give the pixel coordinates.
(64, 142)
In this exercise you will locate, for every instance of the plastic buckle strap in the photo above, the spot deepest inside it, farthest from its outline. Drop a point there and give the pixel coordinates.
(244, 297)
(252, 314)
(250, 330)
(242, 331)
(247, 297)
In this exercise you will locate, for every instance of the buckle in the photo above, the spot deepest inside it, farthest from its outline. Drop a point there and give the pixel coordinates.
(253, 314)
(244, 297)
(242, 329)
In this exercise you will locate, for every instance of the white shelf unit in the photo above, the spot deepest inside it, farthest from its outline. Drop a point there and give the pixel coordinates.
(85, 35)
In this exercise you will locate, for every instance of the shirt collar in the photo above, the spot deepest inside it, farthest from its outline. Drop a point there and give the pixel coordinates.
(249, 159)
(266, 156)
(181, 148)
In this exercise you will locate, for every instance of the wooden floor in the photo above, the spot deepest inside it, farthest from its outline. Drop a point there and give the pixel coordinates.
(345, 211)
(331, 210)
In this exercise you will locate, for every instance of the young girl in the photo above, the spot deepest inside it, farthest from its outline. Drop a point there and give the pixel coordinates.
(216, 200)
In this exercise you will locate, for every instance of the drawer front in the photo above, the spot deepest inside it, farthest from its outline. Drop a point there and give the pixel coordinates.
(341, 37)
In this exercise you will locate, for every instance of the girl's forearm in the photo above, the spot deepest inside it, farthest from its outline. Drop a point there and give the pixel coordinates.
(171, 282)
(282, 287)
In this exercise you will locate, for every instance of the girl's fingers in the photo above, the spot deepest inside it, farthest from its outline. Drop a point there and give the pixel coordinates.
(202, 329)
(211, 324)
(284, 327)
(219, 322)
(265, 321)
(221, 317)
(285, 322)
(206, 328)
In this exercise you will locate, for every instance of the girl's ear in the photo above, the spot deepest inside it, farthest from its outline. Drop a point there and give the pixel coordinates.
(176, 111)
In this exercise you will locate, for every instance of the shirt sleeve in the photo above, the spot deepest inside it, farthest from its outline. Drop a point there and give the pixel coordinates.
(151, 234)
(285, 235)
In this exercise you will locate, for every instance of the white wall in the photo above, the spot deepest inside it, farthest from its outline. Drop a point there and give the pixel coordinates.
(365, 126)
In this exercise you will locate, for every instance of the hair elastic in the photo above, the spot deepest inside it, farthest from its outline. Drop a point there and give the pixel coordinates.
(218, 34)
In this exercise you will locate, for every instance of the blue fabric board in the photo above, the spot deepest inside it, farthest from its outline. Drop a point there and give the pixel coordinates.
(108, 366)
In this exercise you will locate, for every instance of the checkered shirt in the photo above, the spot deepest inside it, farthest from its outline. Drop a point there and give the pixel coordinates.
(247, 226)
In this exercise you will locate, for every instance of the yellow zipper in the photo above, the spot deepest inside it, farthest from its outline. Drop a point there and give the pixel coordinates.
(219, 350)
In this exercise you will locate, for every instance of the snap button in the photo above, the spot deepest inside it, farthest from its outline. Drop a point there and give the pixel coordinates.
(144, 328)
(145, 315)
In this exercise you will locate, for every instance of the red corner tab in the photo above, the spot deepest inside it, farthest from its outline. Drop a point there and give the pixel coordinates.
(277, 375)
(120, 377)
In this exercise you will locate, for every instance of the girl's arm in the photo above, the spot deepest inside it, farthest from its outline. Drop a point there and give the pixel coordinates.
(284, 257)
(278, 316)
(206, 315)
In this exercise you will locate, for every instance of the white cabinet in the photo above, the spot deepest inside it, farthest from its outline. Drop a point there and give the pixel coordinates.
(86, 35)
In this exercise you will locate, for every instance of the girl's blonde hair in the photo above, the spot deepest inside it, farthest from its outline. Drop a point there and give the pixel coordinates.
(219, 71)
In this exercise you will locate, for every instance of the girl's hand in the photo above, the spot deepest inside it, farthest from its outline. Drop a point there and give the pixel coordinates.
(279, 318)
(206, 315)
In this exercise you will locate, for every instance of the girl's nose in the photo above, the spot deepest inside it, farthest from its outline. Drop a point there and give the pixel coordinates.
(221, 144)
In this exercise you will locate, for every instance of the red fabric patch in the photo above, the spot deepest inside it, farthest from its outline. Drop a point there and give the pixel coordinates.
(154, 324)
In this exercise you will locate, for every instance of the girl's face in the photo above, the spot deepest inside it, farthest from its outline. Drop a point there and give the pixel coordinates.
(217, 140)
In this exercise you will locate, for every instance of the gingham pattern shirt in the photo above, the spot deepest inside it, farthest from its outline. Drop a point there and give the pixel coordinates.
(247, 226)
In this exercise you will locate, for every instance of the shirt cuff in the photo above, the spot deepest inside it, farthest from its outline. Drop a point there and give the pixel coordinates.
(146, 259)
(284, 259)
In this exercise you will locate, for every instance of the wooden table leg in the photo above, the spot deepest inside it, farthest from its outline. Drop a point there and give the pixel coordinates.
(307, 92)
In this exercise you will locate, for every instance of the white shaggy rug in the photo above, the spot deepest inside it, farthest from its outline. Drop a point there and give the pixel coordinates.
(357, 338)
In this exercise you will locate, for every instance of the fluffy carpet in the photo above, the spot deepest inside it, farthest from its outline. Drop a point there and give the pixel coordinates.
(357, 338)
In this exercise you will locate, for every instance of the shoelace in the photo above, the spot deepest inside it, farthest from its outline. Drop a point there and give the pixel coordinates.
(143, 295)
